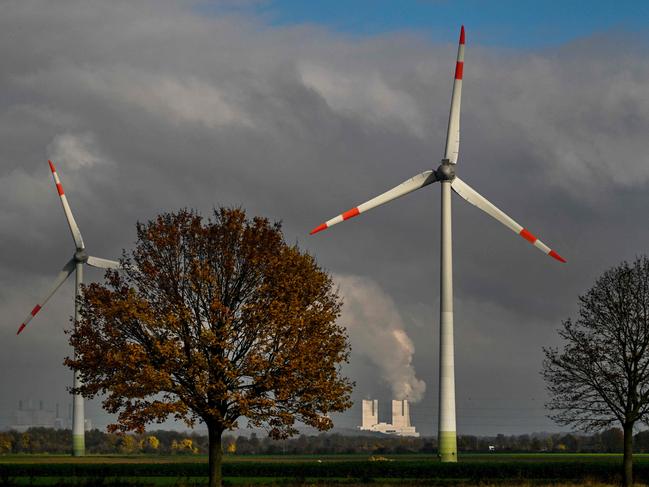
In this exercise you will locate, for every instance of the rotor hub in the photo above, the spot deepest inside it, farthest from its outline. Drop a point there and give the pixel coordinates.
(81, 256)
(445, 171)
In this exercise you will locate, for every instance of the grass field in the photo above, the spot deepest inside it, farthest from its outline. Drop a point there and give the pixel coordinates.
(321, 458)
(357, 469)
(469, 457)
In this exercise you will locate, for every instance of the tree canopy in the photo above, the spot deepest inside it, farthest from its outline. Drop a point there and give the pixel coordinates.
(601, 376)
(214, 320)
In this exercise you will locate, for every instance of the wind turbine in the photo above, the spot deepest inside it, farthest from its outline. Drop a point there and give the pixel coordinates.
(445, 174)
(76, 263)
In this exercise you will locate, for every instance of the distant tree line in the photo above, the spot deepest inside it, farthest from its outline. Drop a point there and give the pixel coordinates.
(55, 441)
(609, 441)
(58, 441)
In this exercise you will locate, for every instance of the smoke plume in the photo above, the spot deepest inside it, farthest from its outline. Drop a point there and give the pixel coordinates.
(376, 332)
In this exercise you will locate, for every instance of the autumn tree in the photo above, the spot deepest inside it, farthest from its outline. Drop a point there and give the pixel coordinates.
(150, 444)
(127, 444)
(183, 447)
(214, 320)
(231, 448)
(5, 443)
(601, 377)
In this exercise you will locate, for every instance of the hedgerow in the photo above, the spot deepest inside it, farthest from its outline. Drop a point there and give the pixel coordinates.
(603, 471)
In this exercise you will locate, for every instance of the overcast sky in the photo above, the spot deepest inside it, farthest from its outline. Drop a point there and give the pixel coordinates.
(298, 115)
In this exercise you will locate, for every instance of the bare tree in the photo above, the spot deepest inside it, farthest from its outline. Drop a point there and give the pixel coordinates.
(601, 377)
(214, 321)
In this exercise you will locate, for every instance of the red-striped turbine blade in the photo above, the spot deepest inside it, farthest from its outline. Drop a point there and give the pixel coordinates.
(68, 268)
(74, 229)
(412, 184)
(476, 199)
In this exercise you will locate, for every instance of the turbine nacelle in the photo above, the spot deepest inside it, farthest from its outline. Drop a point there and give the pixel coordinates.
(81, 256)
(445, 171)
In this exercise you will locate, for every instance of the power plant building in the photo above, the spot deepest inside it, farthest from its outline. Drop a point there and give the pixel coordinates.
(30, 416)
(400, 425)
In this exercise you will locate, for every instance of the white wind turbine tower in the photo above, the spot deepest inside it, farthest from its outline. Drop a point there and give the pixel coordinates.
(445, 173)
(79, 258)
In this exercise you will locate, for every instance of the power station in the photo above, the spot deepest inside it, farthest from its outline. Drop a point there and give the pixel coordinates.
(400, 425)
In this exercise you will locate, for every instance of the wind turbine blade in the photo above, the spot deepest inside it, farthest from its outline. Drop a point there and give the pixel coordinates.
(74, 229)
(476, 199)
(60, 279)
(412, 184)
(453, 132)
(103, 263)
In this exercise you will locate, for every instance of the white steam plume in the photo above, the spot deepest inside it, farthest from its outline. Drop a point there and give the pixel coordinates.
(376, 331)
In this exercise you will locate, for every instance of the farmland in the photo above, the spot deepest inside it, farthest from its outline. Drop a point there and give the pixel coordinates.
(416, 469)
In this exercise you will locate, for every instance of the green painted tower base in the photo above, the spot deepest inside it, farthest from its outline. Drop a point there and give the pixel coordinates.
(78, 445)
(447, 441)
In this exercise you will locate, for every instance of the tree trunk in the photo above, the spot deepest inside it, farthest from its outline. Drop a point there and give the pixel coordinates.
(215, 455)
(628, 454)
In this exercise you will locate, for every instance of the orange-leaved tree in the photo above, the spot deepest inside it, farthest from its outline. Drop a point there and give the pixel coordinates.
(214, 320)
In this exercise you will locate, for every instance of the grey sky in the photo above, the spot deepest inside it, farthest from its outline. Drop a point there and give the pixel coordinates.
(151, 107)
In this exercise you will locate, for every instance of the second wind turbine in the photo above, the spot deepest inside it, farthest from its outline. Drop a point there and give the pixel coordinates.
(75, 264)
(445, 174)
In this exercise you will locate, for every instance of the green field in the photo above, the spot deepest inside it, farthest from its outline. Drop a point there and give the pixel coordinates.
(356, 469)
(639, 458)
(343, 457)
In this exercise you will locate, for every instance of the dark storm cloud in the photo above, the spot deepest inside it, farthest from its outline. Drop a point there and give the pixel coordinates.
(152, 107)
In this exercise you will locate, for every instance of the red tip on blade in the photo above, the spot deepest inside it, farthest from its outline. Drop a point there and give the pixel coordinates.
(527, 235)
(462, 35)
(459, 70)
(22, 327)
(557, 256)
(318, 229)
(52, 168)
(351, 213)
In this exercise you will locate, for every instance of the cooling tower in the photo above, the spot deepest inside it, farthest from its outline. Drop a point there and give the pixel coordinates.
(400, 414)
(370, 413)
